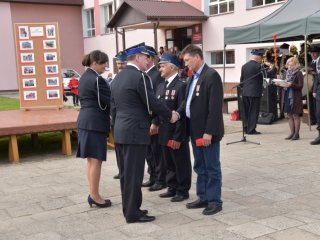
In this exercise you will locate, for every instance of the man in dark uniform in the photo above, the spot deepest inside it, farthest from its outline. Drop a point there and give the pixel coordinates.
(314, 52)
(156, 164)
(251, 81)
(133, 101)
(172, 137)
(121, 61)
(203, 108)
(316, 95)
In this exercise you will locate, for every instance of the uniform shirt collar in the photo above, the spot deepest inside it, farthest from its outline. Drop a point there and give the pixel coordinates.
(132, 64)
(150, 68)
(170, 79)
(197, 73)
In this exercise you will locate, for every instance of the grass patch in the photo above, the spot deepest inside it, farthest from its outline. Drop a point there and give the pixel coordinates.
(9, 103)
(48, 143)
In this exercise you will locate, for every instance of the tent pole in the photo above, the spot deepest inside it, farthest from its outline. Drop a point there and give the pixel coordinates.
(224, 67)
(306, 71)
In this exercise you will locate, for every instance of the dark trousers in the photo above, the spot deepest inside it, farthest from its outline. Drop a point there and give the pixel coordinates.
(155, 161)
(312, 108)
(131, 161)
(317, 100)
(75, 99)
(178, 164)
(251, 107)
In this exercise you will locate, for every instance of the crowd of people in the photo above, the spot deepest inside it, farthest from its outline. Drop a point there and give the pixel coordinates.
(153, 114)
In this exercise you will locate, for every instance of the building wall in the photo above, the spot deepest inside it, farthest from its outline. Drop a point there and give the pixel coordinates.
(70, 33)
(8, 76)
(213, 35)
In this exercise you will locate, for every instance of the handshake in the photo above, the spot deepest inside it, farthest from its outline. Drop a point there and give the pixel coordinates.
(175, 116)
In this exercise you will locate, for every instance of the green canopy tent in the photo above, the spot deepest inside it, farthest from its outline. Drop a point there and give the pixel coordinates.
(295, 20)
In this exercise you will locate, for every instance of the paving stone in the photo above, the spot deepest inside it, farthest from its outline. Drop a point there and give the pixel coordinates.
(251, 230)
(277, 195)
(24, 209)
(45, 235)
(138, 229)
(172, 220)
(293, 234)
(312, 227)
(280, 222)
(234, 218)
(56, 203)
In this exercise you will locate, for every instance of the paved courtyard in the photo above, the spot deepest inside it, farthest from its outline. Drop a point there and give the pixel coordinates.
(270, 191)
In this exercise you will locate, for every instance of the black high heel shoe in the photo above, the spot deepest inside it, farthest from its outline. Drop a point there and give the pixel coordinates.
(106, 204)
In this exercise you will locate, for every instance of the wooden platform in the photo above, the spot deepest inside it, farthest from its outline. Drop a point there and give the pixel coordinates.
(19, 122)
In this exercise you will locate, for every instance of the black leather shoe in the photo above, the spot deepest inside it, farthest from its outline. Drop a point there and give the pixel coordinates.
(144, 212)
(316, 141)
(253, 132)
(295, 136)
(156, 187)
(289, 137)
(107, 203)
(116, 176)
(179, 198)
(167, 194)
(148, 183)
(211, 209)
(142, 219)
(197, 204)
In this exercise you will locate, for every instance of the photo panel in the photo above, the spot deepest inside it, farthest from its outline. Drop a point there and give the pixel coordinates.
(49, 44)
(26, 45)
(36, 32)
(28, 70)
(51, 69)
(50, 57)
(52, 81)
(53, 94)
(23, 32)
(30, 95)
(50, 31)
(26, 57)
(29, 82)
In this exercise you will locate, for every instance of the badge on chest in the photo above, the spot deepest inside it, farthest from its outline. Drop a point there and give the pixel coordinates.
(170, 94)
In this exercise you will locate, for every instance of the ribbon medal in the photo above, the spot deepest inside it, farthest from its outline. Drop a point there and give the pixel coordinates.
(167, 94)
(173, 92)
(197, 90)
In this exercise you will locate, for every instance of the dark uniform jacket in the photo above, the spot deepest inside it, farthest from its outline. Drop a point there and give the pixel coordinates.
(316, 81)
(91, 117)
(206, 105)
(155, 76)
(173, 96)
(251, 79)
(130, 113)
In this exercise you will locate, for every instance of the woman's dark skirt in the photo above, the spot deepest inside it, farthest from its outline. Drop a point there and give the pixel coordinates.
(92, 144)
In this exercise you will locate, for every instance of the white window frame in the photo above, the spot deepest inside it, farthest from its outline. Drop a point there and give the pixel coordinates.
(264, 3)
(106, 18)
(221, 52)
(89, 29)
(218, 3)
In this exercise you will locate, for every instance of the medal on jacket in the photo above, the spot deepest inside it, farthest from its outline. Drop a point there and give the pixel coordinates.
(172, 94)
(197, 90)
(167, 94)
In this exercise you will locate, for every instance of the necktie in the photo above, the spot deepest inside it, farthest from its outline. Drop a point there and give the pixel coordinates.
(166, 82)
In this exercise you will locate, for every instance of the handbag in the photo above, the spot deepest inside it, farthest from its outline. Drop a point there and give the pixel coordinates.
(265, 118)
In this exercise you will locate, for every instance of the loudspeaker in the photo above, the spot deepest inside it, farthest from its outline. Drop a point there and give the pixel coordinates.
(268, 103)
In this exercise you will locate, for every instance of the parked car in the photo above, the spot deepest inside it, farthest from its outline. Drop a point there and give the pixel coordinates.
(67, 74)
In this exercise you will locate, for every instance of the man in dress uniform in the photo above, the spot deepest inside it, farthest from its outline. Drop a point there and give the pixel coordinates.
(121, 61)
(172, 137)
(251, 81)
(203, 108)
(316, 91)
(133, 101)
(314, 52)
(155, 161)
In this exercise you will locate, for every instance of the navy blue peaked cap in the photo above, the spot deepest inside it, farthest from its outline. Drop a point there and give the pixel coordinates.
(169, 58)
(139, 48)
(258, 52)
(121, 56)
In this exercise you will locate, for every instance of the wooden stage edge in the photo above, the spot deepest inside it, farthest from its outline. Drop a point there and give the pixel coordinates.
(19, 122)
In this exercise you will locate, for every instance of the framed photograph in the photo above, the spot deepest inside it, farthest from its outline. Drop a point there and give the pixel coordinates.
(51, 69)
(50, 57)
(26, 45)
(53, 94)
(51, 31)
(29, 82)
(30, 95)
(26, 57)
(52, 81)
(23, 32)
(49, 44)
(28, 70)
(36, 32)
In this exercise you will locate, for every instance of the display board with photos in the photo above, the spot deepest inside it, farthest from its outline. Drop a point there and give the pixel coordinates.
(39, 67)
